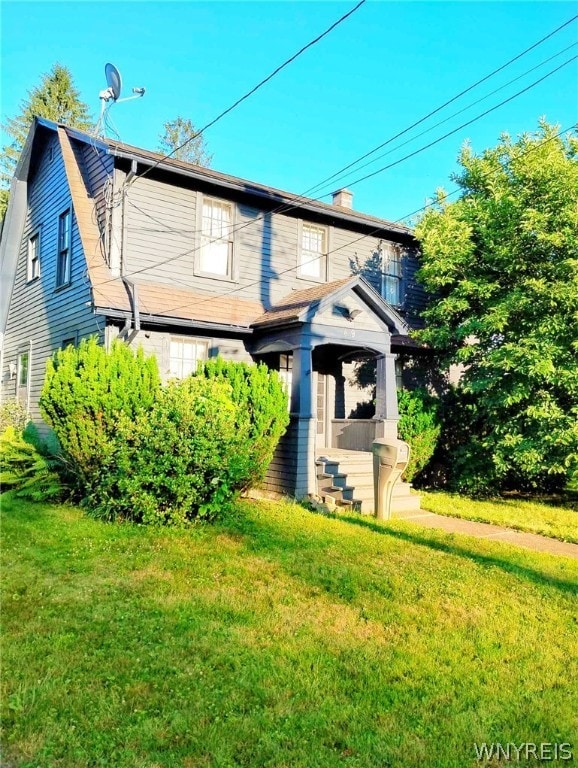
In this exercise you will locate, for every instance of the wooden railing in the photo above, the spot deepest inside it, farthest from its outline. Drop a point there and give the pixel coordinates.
(353, 434)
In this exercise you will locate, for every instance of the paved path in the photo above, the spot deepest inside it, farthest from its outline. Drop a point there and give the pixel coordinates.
(487, 531)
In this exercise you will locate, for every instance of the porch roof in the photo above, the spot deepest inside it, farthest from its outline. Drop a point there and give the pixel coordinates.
(298, 306)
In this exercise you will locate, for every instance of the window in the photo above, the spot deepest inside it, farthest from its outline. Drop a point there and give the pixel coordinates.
(312, 258)
(391, 283)
(70, 342)
(23, 369)
(63, 263)
(216, 254)
(398, 374)
(34, 257)
(185, 355)
(286, 374)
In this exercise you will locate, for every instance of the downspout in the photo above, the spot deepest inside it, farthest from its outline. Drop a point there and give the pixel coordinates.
(131, 288)
(132, 291)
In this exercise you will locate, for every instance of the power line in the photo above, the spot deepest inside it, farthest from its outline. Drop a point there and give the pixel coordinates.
(445, 104)
(287, 207)
(379, 229)
(302, 197)
(290, 205)
(463, 125)
(341, 179)
(258, 86)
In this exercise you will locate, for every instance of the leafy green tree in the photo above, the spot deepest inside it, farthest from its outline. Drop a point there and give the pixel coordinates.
(176, 133)
(501, 267)
(55, 98)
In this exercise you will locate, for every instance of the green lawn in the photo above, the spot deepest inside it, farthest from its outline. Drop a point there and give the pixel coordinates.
(279, 638)
(559, 521)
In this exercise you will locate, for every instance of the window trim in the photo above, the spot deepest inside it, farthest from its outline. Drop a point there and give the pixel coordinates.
(23, 390)
(232, 273)
(392, 253)
(19, 383)
(34, 236)
(323, 277)
(62, 281)
(199, 340)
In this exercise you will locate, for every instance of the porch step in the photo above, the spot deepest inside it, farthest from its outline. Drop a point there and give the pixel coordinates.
(347, 476)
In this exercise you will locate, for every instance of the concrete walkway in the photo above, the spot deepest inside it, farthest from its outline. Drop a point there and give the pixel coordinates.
(488, 531)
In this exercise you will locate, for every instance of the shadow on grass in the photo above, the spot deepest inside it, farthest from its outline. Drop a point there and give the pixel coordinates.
(452, 547)
(267, 538)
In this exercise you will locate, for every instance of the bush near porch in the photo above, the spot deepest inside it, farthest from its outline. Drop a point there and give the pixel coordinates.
(152, 454)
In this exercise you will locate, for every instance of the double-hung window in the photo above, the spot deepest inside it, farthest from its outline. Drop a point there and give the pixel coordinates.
(313, 252)
(216, 253)
(33, 271)
(64, 251)
(185, 355)
(391, 276)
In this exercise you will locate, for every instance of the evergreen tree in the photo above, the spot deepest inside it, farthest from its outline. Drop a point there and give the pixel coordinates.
(179, 131)
(56, 98)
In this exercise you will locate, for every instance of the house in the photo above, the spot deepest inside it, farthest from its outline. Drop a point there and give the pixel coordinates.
(109, 239)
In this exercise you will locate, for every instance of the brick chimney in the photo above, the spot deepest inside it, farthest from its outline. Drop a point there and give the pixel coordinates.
(343, 198)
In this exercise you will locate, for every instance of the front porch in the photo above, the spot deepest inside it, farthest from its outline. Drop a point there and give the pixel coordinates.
(311, 338)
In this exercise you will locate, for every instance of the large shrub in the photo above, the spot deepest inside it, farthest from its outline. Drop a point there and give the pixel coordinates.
(261, 416)
(419, 425)
(86, 391)
(183, 459)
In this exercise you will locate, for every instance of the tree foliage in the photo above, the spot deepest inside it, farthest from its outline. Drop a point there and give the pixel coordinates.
(501, 267)
(179, 132)
(55, 98)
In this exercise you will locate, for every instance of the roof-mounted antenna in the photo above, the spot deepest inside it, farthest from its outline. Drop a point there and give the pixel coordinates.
(112, 93)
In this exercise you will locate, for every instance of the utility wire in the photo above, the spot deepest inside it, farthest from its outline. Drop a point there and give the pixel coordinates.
(290, 205)
(304, 196)
(463, 125)
(256, 87)
(341, 179)
(445, 104)
(287, 207)
(378, 229)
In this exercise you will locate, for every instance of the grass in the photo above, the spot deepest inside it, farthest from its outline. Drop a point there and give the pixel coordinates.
(556, 520)
(278, 638)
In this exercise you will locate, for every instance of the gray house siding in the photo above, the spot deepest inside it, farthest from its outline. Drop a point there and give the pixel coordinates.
(158, 343)
(42, 316)
(162, 241)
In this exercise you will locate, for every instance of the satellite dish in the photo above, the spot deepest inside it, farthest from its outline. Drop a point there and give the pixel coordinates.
(113, 80)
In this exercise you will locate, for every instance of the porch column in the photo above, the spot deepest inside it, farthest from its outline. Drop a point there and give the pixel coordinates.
(303, 415)
(386, 412)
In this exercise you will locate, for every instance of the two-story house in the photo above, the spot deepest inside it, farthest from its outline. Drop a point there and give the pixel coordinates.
(109, 239)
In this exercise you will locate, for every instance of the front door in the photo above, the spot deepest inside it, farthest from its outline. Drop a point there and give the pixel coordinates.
(323, 438)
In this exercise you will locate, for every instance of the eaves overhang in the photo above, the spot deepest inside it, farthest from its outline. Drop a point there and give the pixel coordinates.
(378, 227)
(177, 322)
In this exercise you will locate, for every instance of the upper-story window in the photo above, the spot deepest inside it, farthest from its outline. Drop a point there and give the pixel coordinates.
(64, 250)
(216, 253)
(185, 355)
(33, 271)
(391, 276)
(313, 252)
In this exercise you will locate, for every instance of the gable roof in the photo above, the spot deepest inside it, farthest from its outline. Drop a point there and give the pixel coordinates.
(261, 192)
(297, 306)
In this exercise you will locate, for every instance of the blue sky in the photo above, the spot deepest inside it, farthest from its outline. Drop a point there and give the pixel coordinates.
(384, 68)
